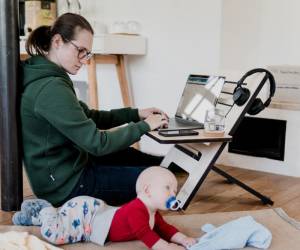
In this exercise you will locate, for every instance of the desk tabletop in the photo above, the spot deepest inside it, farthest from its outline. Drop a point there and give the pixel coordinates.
(201, 137)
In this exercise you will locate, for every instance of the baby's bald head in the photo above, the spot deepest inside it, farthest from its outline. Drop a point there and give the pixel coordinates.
(154, 176)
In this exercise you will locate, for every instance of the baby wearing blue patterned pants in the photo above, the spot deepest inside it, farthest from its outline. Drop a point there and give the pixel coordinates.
(73, 222)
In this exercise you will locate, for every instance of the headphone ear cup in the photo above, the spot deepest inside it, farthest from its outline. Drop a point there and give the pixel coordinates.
(256, 107)
(241, 95)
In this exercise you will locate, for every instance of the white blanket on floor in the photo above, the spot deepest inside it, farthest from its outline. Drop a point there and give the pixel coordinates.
(13, 240)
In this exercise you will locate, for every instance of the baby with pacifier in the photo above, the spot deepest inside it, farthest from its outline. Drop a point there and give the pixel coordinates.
(85, 218)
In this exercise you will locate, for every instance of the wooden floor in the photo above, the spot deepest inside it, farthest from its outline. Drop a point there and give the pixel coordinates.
(217, 195)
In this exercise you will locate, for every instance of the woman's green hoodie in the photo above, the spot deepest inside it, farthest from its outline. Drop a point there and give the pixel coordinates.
(60, 133)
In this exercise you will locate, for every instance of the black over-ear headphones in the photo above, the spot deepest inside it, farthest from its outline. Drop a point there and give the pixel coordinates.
(242, 94)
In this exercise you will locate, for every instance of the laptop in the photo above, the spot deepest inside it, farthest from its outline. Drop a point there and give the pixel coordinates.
(200, 94)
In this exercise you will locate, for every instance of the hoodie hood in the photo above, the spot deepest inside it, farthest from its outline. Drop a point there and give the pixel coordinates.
(38, 67)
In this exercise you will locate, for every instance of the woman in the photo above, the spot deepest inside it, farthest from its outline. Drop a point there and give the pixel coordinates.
(68, 149)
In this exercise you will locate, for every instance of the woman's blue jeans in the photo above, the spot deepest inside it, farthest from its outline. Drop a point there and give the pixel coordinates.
(112, 177)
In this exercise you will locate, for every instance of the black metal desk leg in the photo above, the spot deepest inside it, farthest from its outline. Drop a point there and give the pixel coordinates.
(264, 199)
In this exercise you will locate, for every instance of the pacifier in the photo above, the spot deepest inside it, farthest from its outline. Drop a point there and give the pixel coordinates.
(172, 203)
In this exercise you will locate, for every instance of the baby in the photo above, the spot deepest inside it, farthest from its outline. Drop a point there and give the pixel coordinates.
(85, 218)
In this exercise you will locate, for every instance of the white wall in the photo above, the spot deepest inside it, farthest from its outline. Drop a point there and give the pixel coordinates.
(182, 37)
(259, 33)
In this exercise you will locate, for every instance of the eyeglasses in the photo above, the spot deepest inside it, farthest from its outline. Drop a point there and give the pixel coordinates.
(83, 53)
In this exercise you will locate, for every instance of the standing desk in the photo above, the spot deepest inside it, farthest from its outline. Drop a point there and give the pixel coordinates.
(111, 49)
(197, 154)
(118, 61)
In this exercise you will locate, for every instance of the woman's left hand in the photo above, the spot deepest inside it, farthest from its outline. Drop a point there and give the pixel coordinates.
(144, 113)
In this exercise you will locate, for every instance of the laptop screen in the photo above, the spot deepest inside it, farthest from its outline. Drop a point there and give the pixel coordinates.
(200, 94)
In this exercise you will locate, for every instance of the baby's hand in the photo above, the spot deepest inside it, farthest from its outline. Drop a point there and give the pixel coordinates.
(188, 241)
(173, 246)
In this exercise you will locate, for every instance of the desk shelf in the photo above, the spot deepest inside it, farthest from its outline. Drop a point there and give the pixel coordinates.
(111, 44)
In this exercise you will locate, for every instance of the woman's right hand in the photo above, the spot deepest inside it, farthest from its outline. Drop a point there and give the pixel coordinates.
(156, 121)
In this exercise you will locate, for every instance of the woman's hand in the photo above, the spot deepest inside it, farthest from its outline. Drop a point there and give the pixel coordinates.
(145, 113)
(156, 121)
